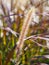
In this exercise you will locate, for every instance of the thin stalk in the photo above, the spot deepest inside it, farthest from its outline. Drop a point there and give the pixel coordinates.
(0, 58)
(4, 38)
(24, 31)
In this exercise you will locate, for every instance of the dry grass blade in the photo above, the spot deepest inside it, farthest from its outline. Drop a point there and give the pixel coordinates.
(10, 30)
(13, 4)
(40, 3)
(10, 15)
(3, 8)
(37, 38)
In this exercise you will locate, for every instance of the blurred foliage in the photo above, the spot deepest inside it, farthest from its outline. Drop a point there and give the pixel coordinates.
(8, 41)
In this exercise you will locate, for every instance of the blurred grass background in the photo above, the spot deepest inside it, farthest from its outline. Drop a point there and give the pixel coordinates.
(13, 18)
